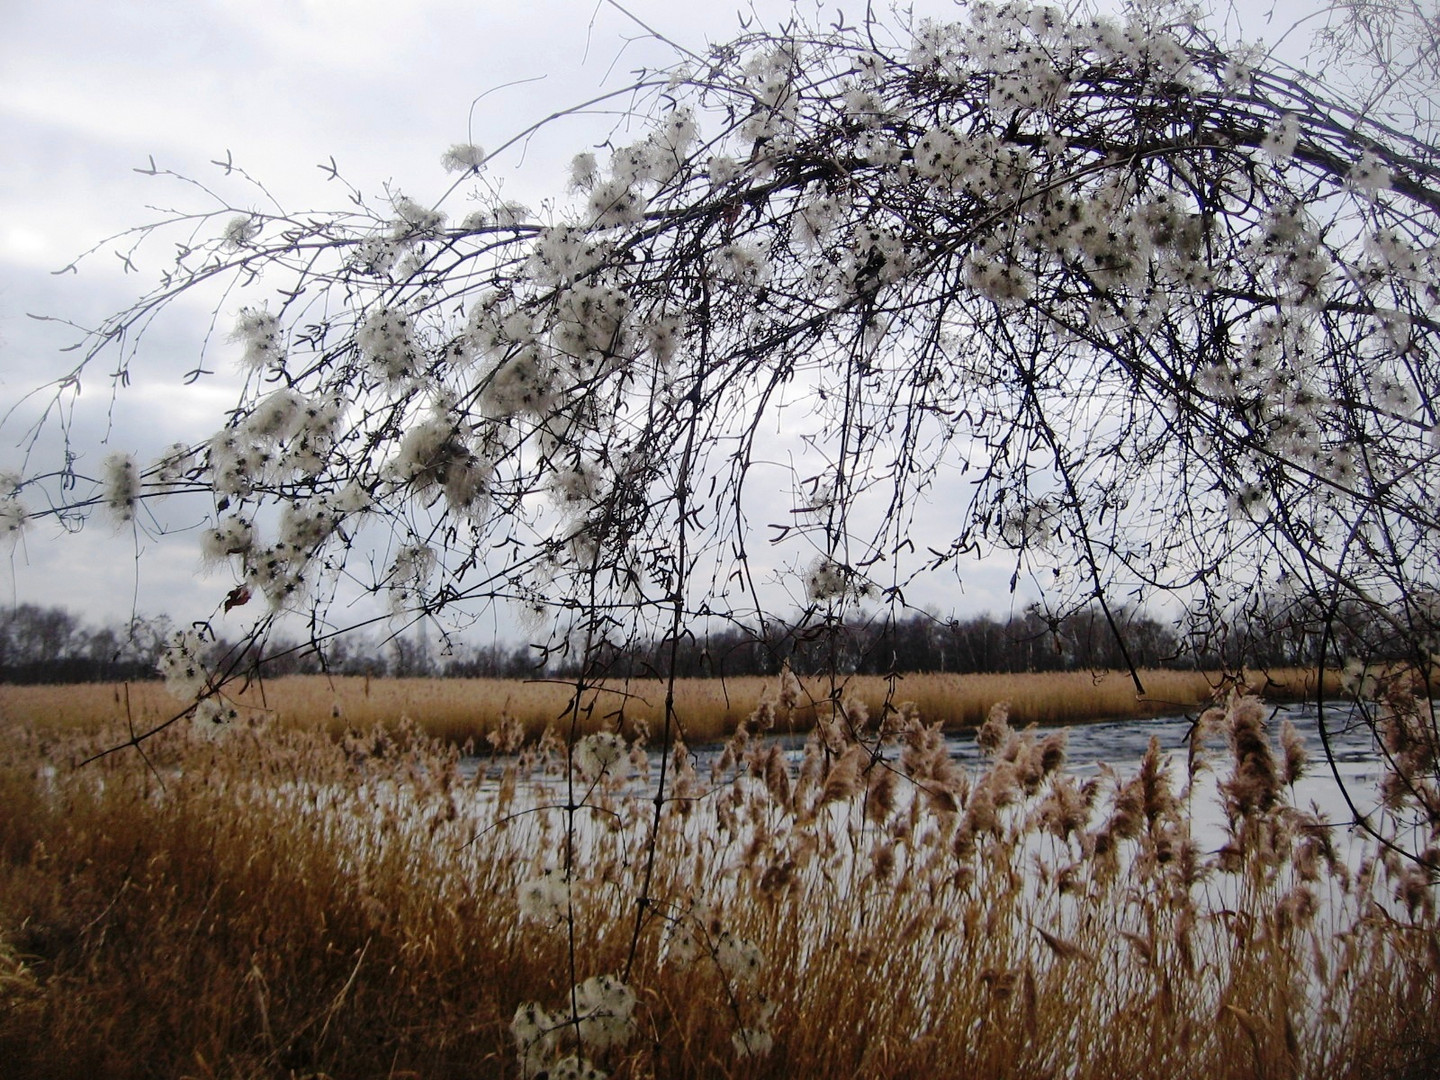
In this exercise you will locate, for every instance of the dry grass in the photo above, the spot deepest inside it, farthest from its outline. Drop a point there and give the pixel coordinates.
(709, 710)
(287, 904)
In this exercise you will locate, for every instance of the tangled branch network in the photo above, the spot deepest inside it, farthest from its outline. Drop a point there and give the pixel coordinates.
(1151, 315)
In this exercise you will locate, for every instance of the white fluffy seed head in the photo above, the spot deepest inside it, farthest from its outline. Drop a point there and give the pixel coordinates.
(600, 754)
(521, 384)
(537, 1037)
(545, 899)
(386, 343)
(213, 718)
(183, 665)
(122, 486)
(239, 232)
(825, 580)
(12, 511)
(414, 222)
(462, 157)
(739, 959)
(231, 535)
(574, 1067)
(605, 1006)
(259, 331)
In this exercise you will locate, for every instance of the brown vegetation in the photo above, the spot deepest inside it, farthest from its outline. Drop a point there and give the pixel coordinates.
(283, 903)
(458, 710)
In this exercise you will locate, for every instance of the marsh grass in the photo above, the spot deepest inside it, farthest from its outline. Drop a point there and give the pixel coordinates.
(287, 903)
(461, 710)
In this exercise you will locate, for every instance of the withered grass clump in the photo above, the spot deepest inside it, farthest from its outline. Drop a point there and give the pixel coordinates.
(284, 903)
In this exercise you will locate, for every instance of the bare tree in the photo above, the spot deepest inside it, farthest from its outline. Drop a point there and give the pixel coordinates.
(1385, 56)
(1149, 316)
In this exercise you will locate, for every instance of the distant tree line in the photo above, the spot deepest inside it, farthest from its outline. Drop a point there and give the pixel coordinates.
(1278, 633)
(919, 642)
(50, 645)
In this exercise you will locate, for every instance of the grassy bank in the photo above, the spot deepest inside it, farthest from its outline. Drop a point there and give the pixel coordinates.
(458, 710)
(286, 904)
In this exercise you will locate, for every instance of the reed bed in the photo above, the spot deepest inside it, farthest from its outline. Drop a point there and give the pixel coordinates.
(709, 710)
(283, 903)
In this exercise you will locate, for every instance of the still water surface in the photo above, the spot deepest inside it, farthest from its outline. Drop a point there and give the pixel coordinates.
(1122, 743)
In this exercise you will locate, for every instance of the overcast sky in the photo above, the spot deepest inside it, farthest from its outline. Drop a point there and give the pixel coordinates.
(92, 89)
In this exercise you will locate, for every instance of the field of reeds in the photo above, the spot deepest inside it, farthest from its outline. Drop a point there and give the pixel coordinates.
(461, 710)
(283, 902)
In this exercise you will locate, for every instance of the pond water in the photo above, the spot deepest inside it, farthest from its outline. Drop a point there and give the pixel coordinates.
(1122, 743)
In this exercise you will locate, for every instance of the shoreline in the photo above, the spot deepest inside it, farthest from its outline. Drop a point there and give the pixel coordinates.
(709, 710)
